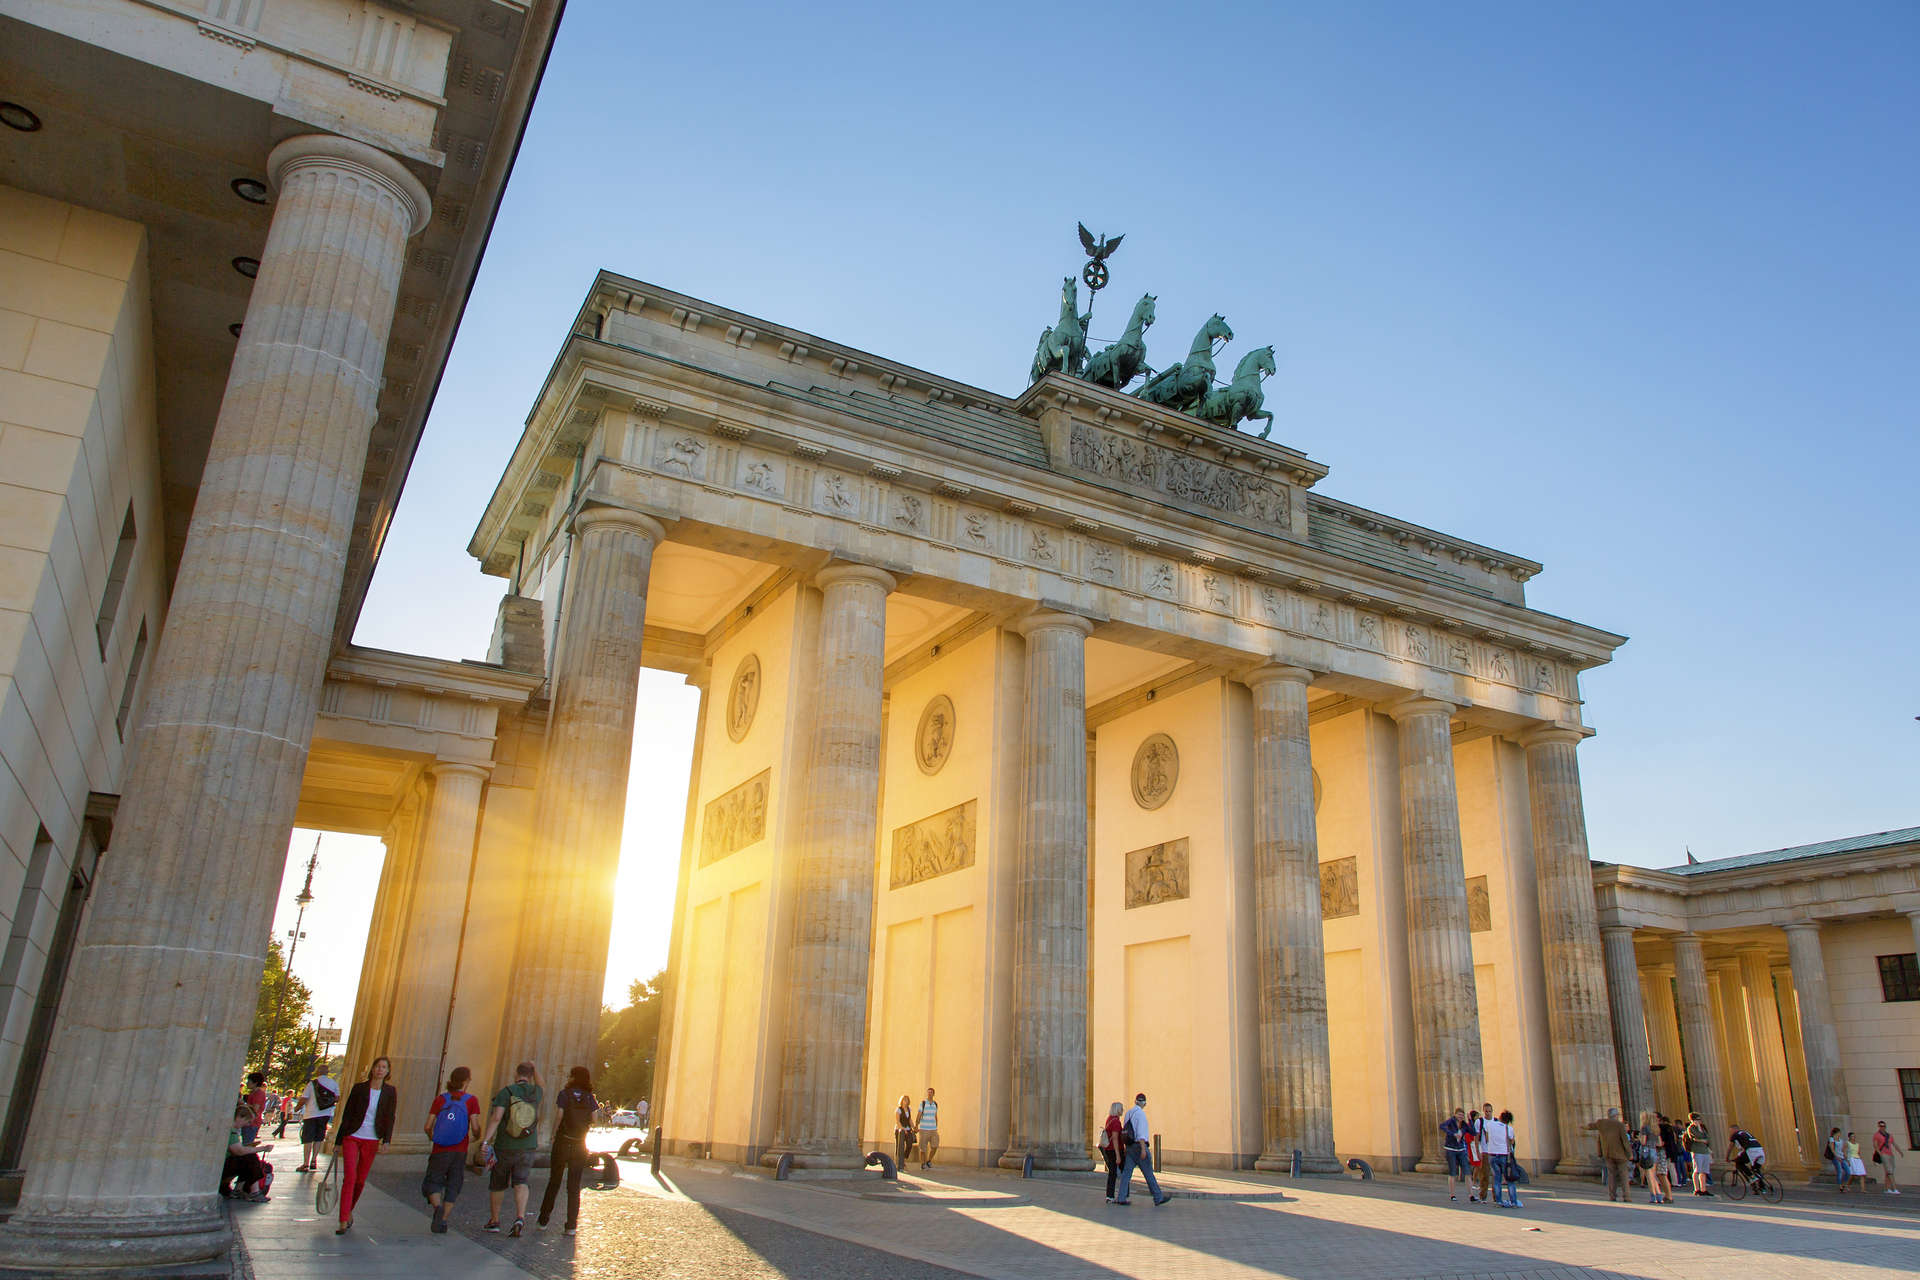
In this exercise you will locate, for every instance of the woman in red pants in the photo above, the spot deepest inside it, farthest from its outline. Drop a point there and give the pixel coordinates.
(366, 1125)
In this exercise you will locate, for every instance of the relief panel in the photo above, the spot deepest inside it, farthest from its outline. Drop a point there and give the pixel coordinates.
(933, 846)
(1339, 888)
(1157, 873)
(735, 819)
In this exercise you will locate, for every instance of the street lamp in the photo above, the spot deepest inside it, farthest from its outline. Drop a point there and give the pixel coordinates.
(294, 935)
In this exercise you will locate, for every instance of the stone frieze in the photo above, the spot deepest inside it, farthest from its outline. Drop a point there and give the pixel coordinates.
(933, 846)
(1180, 477)
(735, 819)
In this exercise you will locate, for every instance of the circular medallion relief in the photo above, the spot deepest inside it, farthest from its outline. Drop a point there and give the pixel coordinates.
(743, 698)
(1156, 771)
(933, 742)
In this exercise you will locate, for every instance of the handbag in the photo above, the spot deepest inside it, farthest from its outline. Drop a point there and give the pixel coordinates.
(327, 1194)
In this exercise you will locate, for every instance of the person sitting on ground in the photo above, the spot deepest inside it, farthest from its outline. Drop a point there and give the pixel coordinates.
(249, 1175)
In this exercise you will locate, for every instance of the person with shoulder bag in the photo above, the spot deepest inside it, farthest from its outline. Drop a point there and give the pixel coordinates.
(1110, 1146)
(902, 1131)
(1887, 1155)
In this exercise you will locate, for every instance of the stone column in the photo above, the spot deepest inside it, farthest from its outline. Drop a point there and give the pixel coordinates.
(437, 914)
(825, 1053)
(1797, 1090)
(1826, 1082)
(1446, 1010)
(1629, 1019)
(1769, 1058)
(160, 1005)
(1706, 1078)
(1743, 1085)
(1663, 1035)
(1913, 918)
(1586, 1078)
(560, 965)
(1296, 1076)
(1048, 1118)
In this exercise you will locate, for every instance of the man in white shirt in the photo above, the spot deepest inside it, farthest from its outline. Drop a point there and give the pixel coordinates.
(929, 1136)
(1138, 1136)
(317, 1101)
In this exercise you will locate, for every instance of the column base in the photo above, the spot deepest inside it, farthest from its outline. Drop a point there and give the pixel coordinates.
(1578, 1167)
(1317, 1165)
(836, 1155)
(1061, 1159)
(1427, 1165)
(150, 1244)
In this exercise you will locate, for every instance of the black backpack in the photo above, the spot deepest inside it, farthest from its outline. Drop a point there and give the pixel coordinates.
(323, 1097)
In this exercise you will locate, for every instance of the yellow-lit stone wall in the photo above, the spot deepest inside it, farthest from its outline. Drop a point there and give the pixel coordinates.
(725, 1065)
(79, 616)
(941, 978)
(1174, 1003)
(1878, 1037)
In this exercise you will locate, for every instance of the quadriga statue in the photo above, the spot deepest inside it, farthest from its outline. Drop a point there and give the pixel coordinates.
(1117, 365)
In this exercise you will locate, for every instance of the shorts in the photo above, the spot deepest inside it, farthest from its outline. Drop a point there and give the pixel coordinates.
(314, 1128)
(1702, 1163)
(1456, 1163)
(446, 1174)
(510, 1167)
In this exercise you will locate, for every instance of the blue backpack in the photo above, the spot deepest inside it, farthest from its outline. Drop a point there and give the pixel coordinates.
(450, 1124)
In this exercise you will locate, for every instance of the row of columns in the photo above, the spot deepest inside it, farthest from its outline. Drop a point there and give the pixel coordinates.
(1718, 1031)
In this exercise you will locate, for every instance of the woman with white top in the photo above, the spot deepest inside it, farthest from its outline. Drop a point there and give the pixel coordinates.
(366, 1125)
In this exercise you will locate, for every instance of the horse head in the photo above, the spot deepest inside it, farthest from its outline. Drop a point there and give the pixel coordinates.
(1143, 311)
(1215, 329)
(1069, 299)
(1260, 361)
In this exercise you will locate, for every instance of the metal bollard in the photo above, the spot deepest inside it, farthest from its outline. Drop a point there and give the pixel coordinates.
(656, 1150)
(783, 1170)
(1294, 1171)
(1157, 1166)
(1026, 1166)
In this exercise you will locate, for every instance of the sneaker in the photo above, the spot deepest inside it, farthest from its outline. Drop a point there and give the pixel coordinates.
(440, 1226)
(519, 1225)
(1453, 1197)
(1124, 1203)
(1162, 1200)
(540, 1223)
(491, 1226)
(572, 1230)
(1109, 1199)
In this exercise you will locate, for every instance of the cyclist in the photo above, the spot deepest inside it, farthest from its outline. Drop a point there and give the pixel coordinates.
(1746, 1153)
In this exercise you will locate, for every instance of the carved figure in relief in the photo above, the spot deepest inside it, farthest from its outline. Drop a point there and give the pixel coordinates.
(1040, 546)
(1217, 592)
(1322, 619)
(735, 820)
(1502, 669)
(908, 510)
(1184, 385)
(1063, 345)
(1102, 565)
(838, 496)
(1369, 630)
(933, 741)
(933, 846)
(1117, 365)
(1416, 644)
(1271, 604)
(1459, 655)
(1240, 402)
(1157, 873)
(760, 477)
(1543, 676)
(1479, 906)
(743, 699)
(1339, 888)
(1156, 771)
(977, 527)
(1160, 579)
(679, 456)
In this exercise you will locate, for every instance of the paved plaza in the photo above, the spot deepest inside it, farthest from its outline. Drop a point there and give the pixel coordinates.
(709, 1220)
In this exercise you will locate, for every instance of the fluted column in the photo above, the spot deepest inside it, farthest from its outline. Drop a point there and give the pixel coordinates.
(1913, 918)
(1296, 1077)
(824, 1059)
(1742, 1083)
(1663, 1035)
(1586, 1079)
(1629, 1020)
(1708, 1081)
(1446, 1010)
(1048, 1083)
(560, 964)
(161, 998)
(435, 918)
(1820, 1041)
(1769, 1057)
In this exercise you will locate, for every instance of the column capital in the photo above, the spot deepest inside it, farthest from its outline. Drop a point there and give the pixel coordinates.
(848, 571)
(1802, 926)
(1273, 671)
(1413, 705)
(1042, 619)
(1615, 930)
(1557, 732)
(330, 151)
(598, 516)
(460, 768)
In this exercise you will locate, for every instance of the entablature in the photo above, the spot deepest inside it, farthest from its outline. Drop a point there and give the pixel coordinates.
(1852, 886)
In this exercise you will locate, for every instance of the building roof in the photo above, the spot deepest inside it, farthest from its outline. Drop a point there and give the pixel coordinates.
(1848, 844)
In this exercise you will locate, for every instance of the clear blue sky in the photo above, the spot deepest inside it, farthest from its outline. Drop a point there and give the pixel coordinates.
(1633, 292)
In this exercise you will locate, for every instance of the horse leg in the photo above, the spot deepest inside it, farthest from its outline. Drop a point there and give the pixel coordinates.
(1263, 413)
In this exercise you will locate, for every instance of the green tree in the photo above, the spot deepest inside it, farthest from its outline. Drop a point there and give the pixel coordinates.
(628, 1040)
(284, 1003)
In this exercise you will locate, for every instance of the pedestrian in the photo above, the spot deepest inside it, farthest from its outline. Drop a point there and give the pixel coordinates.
(1484, 1174)
(513, 1134)
(287, 1104)
(1700, 1148)
(1675, 1153)
(1453, 1145)
(929, 1135)
(1855, 1169)
(250, 1175)
(1615, 1153)
(316, 1105)
(365, 1129)
(902, 1130)
(1836, 1155)
(1137, 1134)
(1653, 1159)
(1500, 1144)
(1476, 1154)
(577, 1107)
(256, 1101)
(452, 1122)
(1110, 1144)
(1887, 1155)
(640, 1113)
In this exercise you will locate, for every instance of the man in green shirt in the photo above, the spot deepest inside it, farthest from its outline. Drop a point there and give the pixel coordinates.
(511, 1137)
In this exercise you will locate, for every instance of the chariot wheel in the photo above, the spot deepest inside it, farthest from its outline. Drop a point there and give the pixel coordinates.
(1736, 1185)
(1770, 1188)
(1095, 274)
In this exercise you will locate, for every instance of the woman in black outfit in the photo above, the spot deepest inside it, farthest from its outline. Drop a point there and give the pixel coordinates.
(577, 1107)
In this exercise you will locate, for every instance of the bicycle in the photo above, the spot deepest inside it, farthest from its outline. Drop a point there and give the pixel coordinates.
(1760, 1182)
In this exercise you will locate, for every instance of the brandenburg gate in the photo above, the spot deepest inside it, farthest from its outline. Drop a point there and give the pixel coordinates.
(1051, 748)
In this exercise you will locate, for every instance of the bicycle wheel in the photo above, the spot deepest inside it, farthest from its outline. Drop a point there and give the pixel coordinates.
(1772, 1190)
(1736, 1185)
